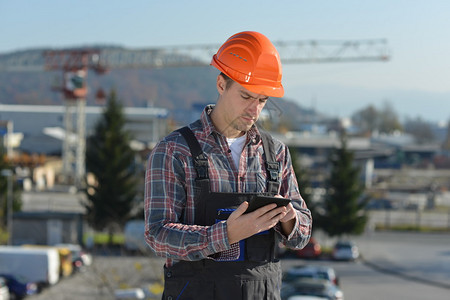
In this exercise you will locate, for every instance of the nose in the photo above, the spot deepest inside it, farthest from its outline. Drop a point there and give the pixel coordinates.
(254, 107)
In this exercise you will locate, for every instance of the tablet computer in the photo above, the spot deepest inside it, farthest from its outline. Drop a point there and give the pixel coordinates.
(259, 201)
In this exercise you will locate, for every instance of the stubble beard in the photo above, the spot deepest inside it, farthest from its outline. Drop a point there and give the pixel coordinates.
(240, 125)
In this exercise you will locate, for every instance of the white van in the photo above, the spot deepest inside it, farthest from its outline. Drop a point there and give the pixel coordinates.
(33, 264)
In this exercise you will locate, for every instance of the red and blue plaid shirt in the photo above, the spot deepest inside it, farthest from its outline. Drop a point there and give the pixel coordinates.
(169, 192)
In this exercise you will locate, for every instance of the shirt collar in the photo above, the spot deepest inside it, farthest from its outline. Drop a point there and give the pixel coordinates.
(208, 127)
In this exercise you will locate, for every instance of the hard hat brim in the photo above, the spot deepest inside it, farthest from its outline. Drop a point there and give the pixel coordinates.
(263, 89)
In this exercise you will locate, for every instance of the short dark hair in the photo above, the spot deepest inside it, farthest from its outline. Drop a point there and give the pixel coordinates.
(228, 80)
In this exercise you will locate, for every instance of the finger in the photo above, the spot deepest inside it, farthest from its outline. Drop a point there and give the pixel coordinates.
(240, 210)
(279, 216)
(263, 210)
(289, 208)
(272, 221)
(276, 211)
(272, 217)
(289, 216)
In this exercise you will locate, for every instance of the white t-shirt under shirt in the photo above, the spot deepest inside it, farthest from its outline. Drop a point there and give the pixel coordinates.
(236, 145)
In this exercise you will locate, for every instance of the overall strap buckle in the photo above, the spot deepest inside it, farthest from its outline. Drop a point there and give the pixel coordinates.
(272, 166)
(200, 159)
(201, 166)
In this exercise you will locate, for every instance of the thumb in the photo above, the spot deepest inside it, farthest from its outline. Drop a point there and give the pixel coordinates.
(239, 211)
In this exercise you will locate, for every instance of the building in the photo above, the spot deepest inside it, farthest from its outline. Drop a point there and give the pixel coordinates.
(43, 132)
(47, 228)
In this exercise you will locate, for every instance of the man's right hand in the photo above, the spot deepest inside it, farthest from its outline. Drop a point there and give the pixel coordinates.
(241, 226)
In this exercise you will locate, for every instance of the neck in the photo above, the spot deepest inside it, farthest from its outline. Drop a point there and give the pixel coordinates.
(221, 126)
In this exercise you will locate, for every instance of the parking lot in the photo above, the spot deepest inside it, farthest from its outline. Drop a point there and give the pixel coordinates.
(107, 274)
(395, 266)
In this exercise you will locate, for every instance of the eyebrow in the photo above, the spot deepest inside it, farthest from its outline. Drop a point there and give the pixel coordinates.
(256, 98)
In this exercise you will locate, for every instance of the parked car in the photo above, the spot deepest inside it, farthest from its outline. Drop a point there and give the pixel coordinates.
(136, 293)
(312, 250)
(379, 204)
(4, 291)
(80, 258)
(19, 287)
(345, 250)
(321, 288)
(306, 297)
(309, 271)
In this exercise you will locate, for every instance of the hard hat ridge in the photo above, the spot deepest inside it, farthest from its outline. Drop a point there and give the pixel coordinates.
(250, 59)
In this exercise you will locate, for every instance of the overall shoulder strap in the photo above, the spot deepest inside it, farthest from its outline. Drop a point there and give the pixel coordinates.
(200, 159)
(272, 166)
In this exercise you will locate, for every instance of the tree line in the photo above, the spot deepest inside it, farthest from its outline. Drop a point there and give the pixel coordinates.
(371, 120)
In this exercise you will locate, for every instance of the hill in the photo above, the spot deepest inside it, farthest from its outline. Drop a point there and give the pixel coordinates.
(177, 89)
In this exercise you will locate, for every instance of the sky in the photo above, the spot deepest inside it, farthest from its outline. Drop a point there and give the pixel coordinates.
(415, 81)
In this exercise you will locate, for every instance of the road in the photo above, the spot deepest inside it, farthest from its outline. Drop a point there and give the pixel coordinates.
(394, 266)
(361, 282)
(417, 256)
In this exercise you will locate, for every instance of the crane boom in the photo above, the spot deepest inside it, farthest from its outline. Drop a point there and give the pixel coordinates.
(294, 52)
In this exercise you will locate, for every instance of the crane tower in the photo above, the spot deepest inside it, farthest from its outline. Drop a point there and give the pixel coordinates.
(74, 65)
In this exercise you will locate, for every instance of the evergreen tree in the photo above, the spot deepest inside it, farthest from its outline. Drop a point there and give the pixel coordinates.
(3, 184)
(344, 205)
(110, 159)
(16, 195)
(302, 175)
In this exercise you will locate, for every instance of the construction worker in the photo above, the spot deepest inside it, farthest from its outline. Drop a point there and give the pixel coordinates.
(200, 180)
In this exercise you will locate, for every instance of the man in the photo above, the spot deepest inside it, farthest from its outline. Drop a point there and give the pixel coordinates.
(199, 179)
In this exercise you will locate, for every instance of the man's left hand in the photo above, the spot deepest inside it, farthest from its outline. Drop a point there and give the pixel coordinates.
(288, 222)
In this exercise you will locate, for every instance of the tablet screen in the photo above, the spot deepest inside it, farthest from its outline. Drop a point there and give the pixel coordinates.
(260, 201)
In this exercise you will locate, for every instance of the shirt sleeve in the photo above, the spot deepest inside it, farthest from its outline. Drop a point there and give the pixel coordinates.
(165, 206)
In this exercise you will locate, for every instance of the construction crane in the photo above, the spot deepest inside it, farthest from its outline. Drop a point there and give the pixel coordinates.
(75, 63)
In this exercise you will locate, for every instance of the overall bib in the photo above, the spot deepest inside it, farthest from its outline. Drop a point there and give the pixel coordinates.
(256, 274)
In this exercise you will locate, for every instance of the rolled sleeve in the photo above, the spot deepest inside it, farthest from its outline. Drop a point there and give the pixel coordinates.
(300, 234)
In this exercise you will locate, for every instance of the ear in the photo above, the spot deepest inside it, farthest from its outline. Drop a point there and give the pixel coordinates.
(220, 84)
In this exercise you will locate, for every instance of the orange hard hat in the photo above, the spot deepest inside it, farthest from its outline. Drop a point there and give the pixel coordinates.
(250, 59)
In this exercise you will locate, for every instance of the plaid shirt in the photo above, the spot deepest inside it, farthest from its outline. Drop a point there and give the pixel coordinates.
(169, 192)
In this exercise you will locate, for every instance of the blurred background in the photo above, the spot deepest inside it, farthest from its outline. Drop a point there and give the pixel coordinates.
(365, 115)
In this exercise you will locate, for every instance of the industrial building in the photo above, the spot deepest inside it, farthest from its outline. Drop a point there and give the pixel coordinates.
(42, 126)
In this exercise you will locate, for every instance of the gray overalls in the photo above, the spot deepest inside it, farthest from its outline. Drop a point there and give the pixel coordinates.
(256, 275)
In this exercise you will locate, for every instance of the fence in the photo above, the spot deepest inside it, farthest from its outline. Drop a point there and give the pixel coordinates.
(417, 218)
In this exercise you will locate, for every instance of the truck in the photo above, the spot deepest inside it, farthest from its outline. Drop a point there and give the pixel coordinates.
(33, 264)
(65, 258)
